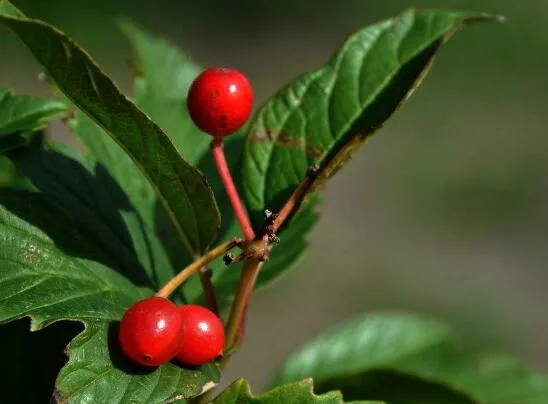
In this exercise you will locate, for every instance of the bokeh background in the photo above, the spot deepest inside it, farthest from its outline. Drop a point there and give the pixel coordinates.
(443, 213)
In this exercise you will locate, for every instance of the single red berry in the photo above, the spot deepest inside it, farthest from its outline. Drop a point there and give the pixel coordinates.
(220, 101)
(150, 331)
(203, 337)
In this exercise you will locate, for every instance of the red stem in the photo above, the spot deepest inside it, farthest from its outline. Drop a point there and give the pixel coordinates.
(224, 172)
(209, 290)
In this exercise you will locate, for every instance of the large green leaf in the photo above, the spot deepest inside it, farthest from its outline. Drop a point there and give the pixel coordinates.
(322, 117)
(368, 357)
(293, 393)
(99, 373)
(52, 270)
(24, 113)
(181, 188)
(163, 76)
(87, 192)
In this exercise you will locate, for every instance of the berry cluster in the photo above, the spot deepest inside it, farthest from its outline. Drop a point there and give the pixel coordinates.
(154, 331)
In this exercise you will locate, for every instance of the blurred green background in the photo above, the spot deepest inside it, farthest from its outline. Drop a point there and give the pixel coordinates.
(443, 213)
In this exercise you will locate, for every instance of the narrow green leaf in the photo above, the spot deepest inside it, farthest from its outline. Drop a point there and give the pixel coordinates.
(25, 113)
(181, 188)
(51, 270)
(322, 117)
(301, 392)
(163, 75)
(367, 357)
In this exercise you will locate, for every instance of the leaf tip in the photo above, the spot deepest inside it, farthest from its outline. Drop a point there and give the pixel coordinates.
(490, 17)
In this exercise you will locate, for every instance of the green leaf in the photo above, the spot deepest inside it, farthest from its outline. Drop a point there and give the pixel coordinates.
(163, 76)
(182, 189)
(10, 177)
(322, 117)
(367, 357)
(23, 113)
(301, 392)
(99, 373)
(52, 270)
(87, 192)
(101, 148)
(141, 222)
(20, 118)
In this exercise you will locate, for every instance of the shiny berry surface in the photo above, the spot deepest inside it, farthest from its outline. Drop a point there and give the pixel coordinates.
(220, 101)
(150, 331)
(203, 336)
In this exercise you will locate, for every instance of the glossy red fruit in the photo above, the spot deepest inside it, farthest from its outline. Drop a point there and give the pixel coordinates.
(203, 336)
(150, 331)
(220, 101)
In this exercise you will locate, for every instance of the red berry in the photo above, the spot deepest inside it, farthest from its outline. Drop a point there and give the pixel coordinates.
(150, 331)
(203, 337)
(220, 101)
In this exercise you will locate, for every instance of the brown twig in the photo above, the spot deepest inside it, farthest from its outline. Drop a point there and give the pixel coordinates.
(252, 264)
(248, 277)
(186, 273)
(294, 201)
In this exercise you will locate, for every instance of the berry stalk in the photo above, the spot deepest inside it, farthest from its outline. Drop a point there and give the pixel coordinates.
(205, 274)
(234, 326)
(190, 270)
(224, 172)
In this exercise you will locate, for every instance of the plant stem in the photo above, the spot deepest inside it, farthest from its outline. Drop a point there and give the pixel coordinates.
(293, 202)
(209, 291)
(224, 172)
(186, 273)
(239, 307)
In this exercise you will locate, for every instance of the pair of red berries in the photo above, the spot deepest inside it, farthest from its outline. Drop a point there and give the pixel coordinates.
(154, 331)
